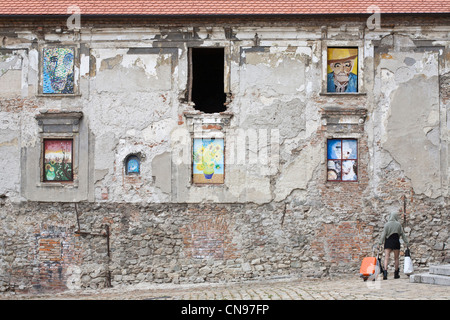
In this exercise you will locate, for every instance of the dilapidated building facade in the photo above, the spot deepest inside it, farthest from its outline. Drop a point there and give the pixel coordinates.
(205, 143)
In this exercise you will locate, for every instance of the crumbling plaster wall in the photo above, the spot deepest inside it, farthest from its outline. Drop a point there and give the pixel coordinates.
(133, 114)
(276, 213)
(411, 112)
(12, 62)
(130, 90)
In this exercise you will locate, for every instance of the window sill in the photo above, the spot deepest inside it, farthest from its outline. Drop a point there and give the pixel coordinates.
(343, 93)
(200, 114)
(58, 95)
(199, 121)
(68, 184)
(201, 185)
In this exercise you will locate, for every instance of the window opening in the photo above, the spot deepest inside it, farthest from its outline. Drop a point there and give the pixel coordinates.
(207, 79)
(342, 160)
(132, 165)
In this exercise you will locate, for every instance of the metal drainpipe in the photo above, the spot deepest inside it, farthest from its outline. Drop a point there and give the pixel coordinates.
(105, 234)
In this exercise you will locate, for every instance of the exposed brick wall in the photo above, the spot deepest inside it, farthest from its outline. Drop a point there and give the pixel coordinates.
(343, 243)
(184, 243)
(349, 233)
(56, 249)
(210, 235)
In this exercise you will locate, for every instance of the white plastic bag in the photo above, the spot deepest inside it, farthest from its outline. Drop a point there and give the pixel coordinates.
(408, 266)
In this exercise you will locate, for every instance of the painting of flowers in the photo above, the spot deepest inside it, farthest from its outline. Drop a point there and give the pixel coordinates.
(58, 160)
(208, 161)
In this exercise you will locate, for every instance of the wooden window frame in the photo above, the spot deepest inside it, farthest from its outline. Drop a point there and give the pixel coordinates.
(341, 159)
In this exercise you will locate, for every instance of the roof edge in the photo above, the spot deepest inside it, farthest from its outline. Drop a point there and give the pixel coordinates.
(222, 15)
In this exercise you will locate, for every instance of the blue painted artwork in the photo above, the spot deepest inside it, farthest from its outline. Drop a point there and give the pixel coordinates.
(334, 149)
(349, 149)
(342, 156)
(133, 164)
(58, 70)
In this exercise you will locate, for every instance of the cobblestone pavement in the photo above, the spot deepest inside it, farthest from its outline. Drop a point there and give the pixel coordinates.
(342, 288)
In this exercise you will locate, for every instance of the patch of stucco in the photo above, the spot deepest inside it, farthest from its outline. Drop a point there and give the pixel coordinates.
(299, 172)
(413, 107)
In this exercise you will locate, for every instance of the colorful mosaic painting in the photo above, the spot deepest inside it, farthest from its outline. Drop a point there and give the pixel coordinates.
(58, 66)
(342, 164)
(58, 160)
(342, 73)
(208, 161)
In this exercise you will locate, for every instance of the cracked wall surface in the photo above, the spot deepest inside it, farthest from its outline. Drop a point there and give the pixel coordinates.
(412, 128)
(276, 213)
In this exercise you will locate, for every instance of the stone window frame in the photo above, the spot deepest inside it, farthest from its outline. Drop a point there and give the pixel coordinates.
(76, 70)
(44, 139)
(343, 44)
(226, 72)
(54, 126)
(125, 164)
(207, 126)
(343, 123)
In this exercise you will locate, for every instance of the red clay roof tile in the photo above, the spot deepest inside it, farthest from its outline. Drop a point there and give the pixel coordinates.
(220, 7)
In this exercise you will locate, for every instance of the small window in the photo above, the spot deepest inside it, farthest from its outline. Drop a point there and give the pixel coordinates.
(132, 165)
(58, 160)
(342, 160)
(206, 78)
(208, 161)
(342, 70)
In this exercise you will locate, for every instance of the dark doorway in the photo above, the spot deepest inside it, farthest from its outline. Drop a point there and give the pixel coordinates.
(207, 73)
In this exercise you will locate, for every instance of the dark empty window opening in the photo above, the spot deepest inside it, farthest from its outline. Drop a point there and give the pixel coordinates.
(207, 79)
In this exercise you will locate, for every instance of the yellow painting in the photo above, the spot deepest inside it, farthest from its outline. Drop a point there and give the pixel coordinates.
(208, 161)
(342, 70)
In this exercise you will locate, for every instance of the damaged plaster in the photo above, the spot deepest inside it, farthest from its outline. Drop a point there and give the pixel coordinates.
(276, 213)
(409, 83)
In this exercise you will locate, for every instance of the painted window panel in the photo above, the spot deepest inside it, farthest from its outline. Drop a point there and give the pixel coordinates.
(342, 160)
(334, 149)
(342, 70)
(58, 70)
(334, 170)
(208, 161)
(58, 160)
(348, 170)
(349, 148)
(133, 165)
